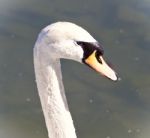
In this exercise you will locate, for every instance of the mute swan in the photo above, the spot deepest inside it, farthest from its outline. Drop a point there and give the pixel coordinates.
(63, 40)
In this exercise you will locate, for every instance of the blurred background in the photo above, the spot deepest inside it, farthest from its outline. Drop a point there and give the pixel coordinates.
(100, 108)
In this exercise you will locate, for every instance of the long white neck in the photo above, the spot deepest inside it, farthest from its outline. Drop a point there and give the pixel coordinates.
(52, 95)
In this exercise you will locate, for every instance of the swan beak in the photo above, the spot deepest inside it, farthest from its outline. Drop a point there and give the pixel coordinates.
(99, 64)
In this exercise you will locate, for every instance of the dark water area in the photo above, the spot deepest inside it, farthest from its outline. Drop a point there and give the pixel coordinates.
(100, 108)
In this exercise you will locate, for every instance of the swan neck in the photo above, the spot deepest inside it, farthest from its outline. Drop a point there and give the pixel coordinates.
(52, 96)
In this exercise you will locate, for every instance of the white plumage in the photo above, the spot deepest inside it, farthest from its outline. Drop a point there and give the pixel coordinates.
(57, 41)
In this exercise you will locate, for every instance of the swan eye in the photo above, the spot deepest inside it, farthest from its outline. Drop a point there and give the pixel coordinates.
(80, 43)
(89, 48)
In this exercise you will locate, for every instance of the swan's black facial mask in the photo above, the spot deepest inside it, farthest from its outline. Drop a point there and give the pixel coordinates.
(93, 57)
(89, 48)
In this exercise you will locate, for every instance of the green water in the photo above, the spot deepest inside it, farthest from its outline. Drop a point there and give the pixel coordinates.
(100, 108)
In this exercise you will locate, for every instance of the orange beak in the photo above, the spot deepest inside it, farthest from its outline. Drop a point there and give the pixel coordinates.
(101, 67)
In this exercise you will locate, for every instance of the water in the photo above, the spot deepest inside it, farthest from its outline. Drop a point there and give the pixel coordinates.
(100, 108)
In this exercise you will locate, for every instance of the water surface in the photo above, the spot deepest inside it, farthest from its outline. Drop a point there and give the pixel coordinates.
(100, 108)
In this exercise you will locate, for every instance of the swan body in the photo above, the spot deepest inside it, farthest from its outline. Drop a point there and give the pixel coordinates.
(63, 40)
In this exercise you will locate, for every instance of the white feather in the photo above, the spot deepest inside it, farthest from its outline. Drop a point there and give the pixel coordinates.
(54, 42)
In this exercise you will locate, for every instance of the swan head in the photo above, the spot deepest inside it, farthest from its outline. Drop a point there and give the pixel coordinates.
(68, 40)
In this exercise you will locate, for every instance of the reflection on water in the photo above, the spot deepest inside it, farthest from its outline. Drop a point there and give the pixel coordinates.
(100, 108)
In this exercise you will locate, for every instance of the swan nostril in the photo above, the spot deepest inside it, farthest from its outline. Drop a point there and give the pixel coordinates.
(97, 55)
